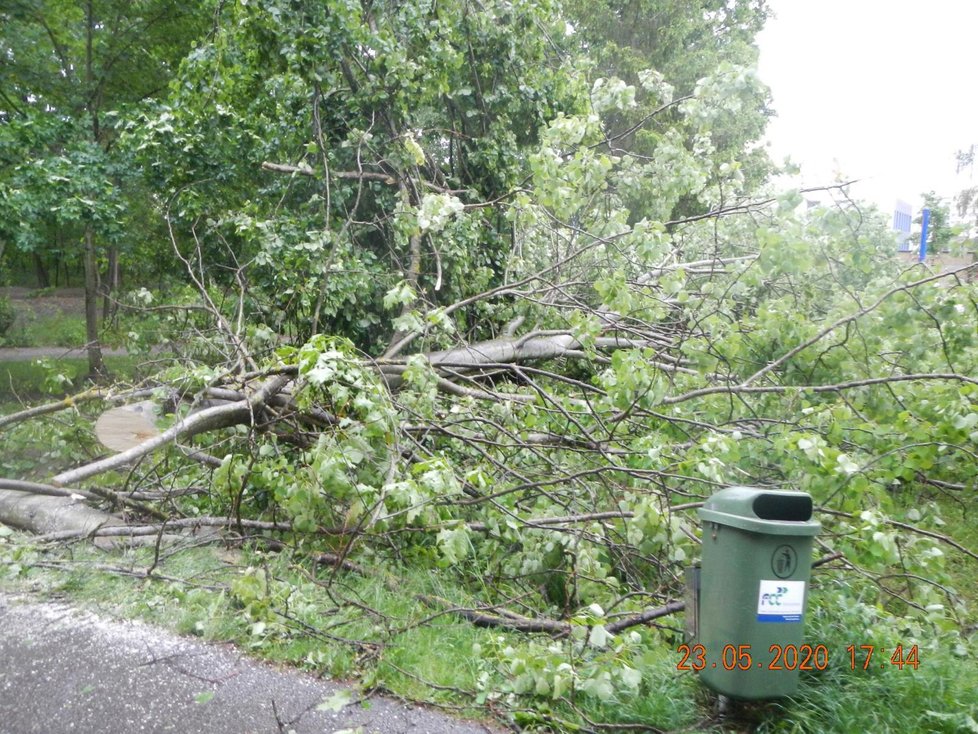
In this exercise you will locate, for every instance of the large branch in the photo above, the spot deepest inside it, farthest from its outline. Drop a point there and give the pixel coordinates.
(507, 351)
(96, 493)
(699, 267)
(193, 523)
(533, 347)
(837, 387)
(847, 319)
(208, 419)
(558, 628)
(555, 627)
(46, 514)
(304, 170)
(16, 485)
(70, 402)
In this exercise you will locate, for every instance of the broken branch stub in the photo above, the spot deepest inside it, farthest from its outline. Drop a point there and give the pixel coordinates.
(209, 419)
(122, 428)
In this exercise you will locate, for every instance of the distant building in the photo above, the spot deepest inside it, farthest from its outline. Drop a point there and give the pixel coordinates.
(902, 216)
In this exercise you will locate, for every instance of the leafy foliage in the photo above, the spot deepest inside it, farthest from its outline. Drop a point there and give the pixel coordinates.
(405, 113)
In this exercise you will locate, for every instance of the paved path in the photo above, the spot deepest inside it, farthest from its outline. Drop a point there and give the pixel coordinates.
(66, 670)
(28, 305)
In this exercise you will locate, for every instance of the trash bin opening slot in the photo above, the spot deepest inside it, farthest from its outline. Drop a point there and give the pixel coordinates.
(783, 507)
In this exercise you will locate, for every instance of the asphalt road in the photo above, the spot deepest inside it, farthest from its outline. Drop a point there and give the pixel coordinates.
(67, 670)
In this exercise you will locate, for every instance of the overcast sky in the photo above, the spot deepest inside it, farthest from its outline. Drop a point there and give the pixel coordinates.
(882, 90)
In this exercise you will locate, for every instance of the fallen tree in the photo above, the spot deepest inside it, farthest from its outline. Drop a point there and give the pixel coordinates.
(344, 410)
(560, 468)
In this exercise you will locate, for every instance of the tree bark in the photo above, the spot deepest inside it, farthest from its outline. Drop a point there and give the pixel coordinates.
(555, 627)
(45, 514)
(43, 279)
(208, 419)
(71, 401)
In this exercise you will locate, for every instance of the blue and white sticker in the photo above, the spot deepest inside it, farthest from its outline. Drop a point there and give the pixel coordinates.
(780, 601)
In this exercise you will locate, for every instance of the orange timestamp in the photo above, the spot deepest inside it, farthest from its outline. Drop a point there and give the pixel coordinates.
(794, 657)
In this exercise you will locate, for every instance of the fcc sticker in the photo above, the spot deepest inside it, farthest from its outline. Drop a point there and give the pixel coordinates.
(780, 601)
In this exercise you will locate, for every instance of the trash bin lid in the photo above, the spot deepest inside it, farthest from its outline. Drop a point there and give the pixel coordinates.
(770, 511)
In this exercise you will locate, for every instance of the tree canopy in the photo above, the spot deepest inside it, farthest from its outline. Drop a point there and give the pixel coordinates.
(69, 71)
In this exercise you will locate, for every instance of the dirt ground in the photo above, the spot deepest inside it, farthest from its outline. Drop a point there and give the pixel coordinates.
(27, 302)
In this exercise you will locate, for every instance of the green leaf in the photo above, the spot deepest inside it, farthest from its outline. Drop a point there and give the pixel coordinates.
(204, 697)
(599, 687)
(599, 636)
(630, 677)
(337, 702)
(454, 543)
(966, 422)
(401, 294)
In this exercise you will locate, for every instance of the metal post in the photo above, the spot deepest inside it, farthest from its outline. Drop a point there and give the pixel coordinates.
(925, 220)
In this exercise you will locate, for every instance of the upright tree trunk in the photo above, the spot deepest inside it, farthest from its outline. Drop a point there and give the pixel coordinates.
(96, 368)
(43, 280)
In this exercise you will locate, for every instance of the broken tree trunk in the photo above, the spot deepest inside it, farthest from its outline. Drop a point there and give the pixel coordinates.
(45, 514)
(122, 428)
(209, 419)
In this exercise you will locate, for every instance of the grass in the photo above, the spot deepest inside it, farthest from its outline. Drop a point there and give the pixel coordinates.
(374, 629)
(46, 330)
(961, 525)
(29, 379)
(383, 646)
(936, 696)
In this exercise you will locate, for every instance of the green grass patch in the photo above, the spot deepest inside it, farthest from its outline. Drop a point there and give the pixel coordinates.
(46, 330)
(32, 379)
(358, 628)
(376, 630)
(961, 523)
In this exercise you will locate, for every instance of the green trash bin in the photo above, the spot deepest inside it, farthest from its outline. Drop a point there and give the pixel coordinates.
(753, 591)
